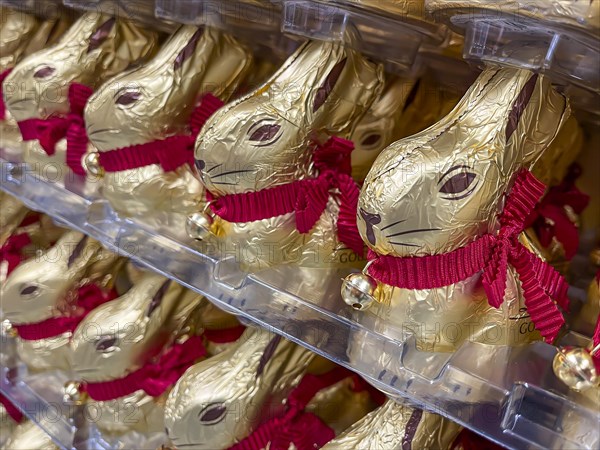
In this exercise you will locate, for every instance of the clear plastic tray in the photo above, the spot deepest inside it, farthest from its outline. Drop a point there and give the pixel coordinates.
(42, 8)
(544, 36)
(509, 395)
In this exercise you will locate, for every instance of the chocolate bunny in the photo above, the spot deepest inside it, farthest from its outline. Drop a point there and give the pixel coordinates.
(156, 102)
(118, 340)
(396, 426)
(441, 190)
(267, 139)
(219, 401)
(55, 82)
(43, 291)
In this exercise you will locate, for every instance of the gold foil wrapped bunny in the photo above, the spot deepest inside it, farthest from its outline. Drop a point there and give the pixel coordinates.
(220, 401)
(154, 102)
(396, 426)
(439, 191)
(40, 297)
(267, 139)
(52, 85)
(117, 342)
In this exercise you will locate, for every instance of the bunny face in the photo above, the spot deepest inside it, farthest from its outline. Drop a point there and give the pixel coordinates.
(442, 188)
(35, 289)
(217, 402)
(119, 336)
(155, 100)
(95, 47)
(264, 139)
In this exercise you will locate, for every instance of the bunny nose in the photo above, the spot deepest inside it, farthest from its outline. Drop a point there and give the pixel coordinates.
(370, 220)
(200, 165)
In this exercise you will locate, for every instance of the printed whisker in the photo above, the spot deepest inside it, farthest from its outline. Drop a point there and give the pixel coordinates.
(393, 224)
(224, 183)
(231, 173)
(404, 243)
(413, 231)
(213, 168)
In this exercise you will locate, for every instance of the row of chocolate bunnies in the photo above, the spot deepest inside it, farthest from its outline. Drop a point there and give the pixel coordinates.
(443, 211)
(146, 355)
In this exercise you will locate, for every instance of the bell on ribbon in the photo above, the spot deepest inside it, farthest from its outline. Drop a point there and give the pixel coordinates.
(575, 367)
(72, 393)
(199, 226)
(358, 290)
(91, 163)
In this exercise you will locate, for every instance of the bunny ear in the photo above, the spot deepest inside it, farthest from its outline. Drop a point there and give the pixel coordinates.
(158, 298)
(267, 354)
(188, 50)
(327, 86)
(77, 251)
(519, 106)
(101, 34)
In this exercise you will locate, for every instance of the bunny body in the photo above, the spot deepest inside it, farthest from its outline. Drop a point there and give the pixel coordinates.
(395, 426)
(155, 101)
(267, 138)
(441, 189)
(218, 402)
(95, 48)
(119, 337)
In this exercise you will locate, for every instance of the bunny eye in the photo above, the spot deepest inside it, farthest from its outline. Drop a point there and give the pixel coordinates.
(264, 133)
(44, 72)
(30, 290)
(371, 141)
(212, 414)
(458, 183)
(107, 344)
(128, 97)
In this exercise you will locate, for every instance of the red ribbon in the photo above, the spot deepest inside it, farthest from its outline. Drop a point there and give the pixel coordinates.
(225, 335)
(72, 127)
(550, 218)
(596, 335)
(3, 76)
(11, 250)
(491, 253)
(11, 409)
(153, 378)
(170, 152)
(306, 198)
(305, 430)
(89, 297)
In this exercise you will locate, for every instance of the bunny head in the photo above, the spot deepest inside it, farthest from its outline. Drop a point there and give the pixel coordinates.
(381, 125)
(94, 48)
(218, 402)
(442, 188)
(36, 290)
(263, 139)
(155, 100)
(120, 336)
(17, 28)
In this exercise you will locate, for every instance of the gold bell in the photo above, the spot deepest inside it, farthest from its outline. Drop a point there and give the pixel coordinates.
(72, 394)
(358, 290)
(199, 226)
(91, 163)
(575, 367)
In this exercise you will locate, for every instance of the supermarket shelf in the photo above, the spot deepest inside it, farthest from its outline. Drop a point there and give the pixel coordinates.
(510, 395)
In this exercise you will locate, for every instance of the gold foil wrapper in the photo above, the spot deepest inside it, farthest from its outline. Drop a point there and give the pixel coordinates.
(13, 212)
(95, 48)
(266, 139)
(395, 426)
(154, 102)
(586, 319)
(219, 401)
(589, 182)
(412, 204)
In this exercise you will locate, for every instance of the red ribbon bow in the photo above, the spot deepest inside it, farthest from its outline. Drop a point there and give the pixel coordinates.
(3, 76)
(550, 219)
(306, 198)
(305, 430)
(170, 153)
(72, 127)
(491, 254)
(11, 251)
(89, 297)
(154, 378)
(11, 409)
